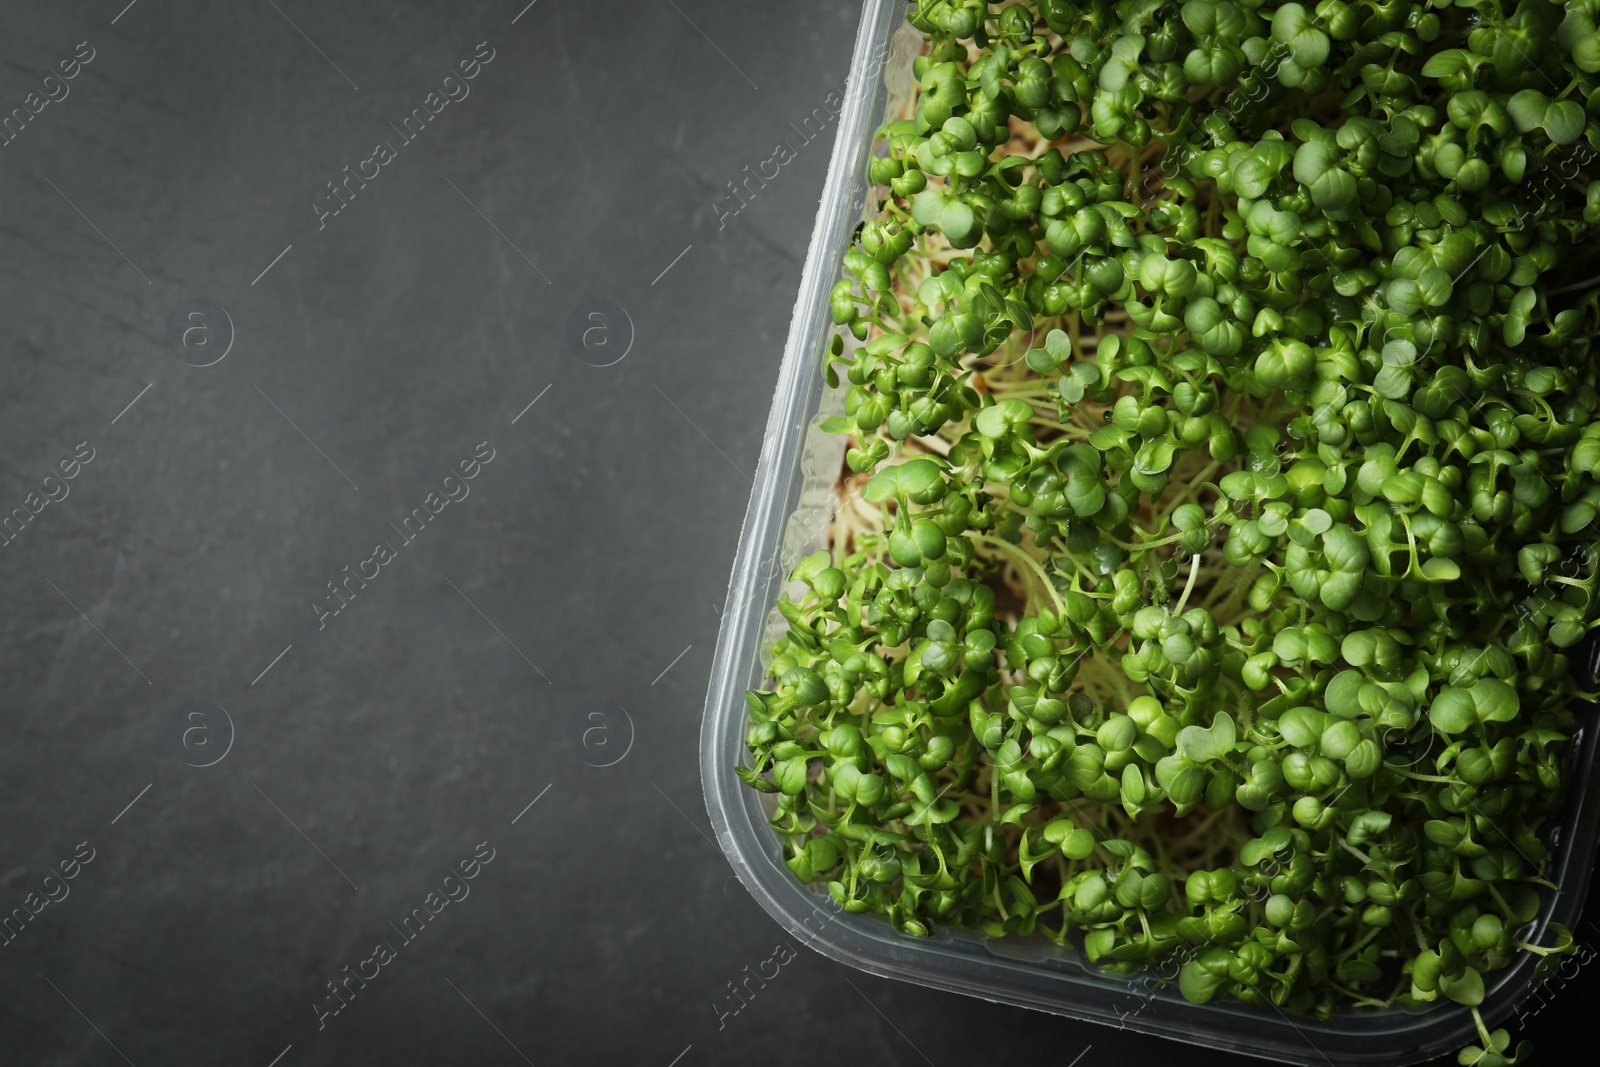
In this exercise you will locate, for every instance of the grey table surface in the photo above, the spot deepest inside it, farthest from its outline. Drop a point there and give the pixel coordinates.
(253, 789)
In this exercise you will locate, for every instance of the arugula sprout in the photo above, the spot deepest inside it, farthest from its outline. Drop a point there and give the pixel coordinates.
(1219, 520)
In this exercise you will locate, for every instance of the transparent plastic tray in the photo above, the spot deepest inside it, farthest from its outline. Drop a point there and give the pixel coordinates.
(787, 517)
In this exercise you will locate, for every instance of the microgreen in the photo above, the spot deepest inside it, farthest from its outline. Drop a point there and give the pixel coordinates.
(1221, 495)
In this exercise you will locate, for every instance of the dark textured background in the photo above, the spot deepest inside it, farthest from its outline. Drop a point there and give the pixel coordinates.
(190, 550)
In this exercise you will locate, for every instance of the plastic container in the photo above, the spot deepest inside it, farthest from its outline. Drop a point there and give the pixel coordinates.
(787, 517)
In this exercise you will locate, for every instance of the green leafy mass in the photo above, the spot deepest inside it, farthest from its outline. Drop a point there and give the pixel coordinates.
(1217, 544)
